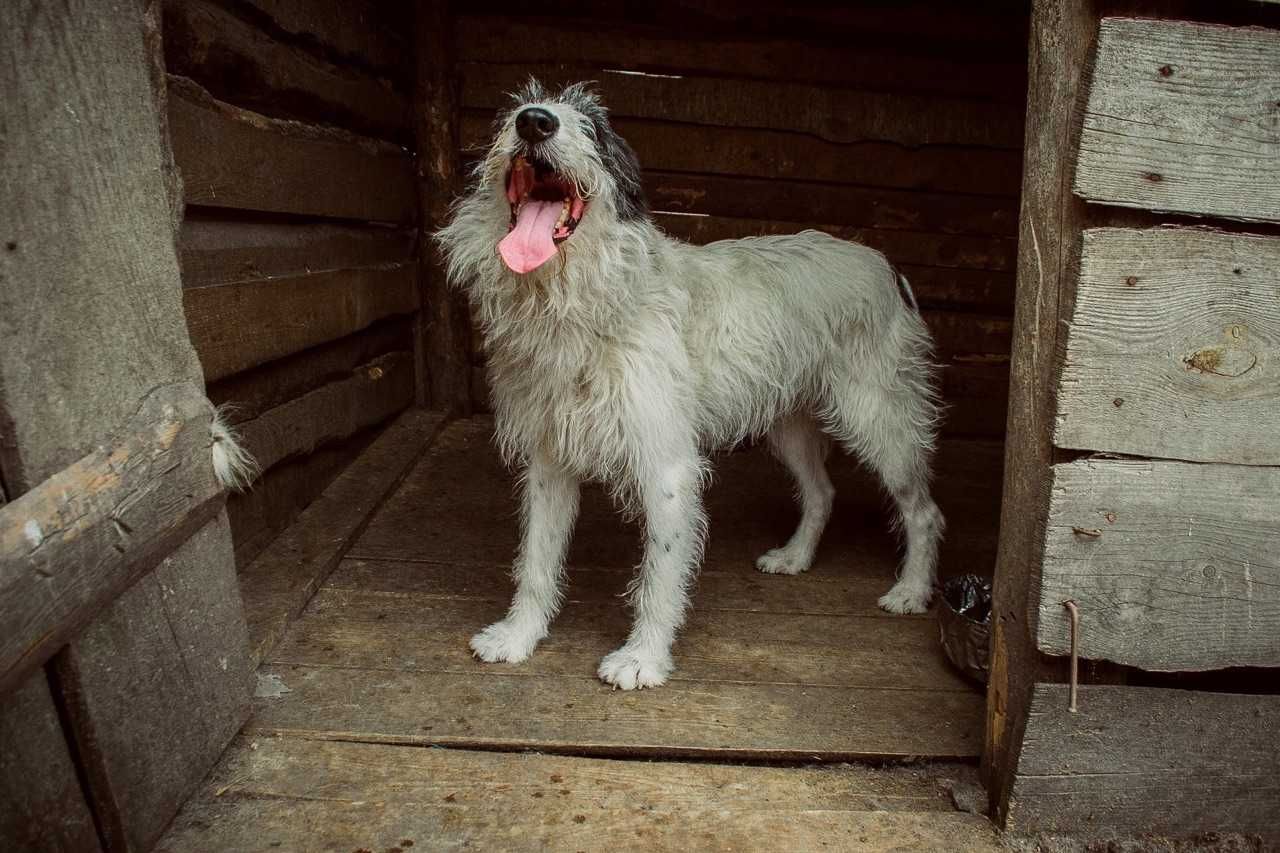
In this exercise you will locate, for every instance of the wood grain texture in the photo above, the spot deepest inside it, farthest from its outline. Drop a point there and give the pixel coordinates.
(90, 325)
(252, 392)
(76, 541)
(443, 333)
(724, 720)
(1142, 759)
(279, 583)
(1173, 565)
(244, 65)
(835, 115)
(760, 153)
(469, 494)
(231, 157)
(363, 33)
(215, 251)
(583, 45)
(1062, 33)
(158, 685)
(838, 204)
(369, 394)
(42, 809)
(374, 797)
(1183, 117)
(964, 251)
(280, 495)
(1174, 347)
(238, 326)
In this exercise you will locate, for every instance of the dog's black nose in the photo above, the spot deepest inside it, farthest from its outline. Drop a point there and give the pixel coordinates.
(535, 124)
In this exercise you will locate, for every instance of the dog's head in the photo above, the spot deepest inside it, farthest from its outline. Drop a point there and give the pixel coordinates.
(556, 173)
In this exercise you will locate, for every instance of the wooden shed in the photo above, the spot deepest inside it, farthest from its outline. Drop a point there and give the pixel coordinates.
(227, 202)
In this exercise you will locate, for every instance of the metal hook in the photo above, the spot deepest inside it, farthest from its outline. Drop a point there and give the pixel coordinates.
(1073, 611)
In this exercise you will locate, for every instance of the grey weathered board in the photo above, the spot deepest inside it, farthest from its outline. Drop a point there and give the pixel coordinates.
(244, 324)
(42, 809)
(296, 794)
(243, 64)
(1062, 34)
(1182, 117)
(1174, 566)
(235, 158)
(280, 582)
(369, 394)
(90, 323)
(1142, 759)
(71, 544)
(1174, 347)
(161, 684)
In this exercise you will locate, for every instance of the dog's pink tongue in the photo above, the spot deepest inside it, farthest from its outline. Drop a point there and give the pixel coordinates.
(530, 243)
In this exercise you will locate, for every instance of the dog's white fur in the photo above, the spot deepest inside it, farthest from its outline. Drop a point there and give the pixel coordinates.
(631, 355)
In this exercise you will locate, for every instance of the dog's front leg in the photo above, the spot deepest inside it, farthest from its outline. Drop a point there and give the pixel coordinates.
(675, 525)
(549, 510)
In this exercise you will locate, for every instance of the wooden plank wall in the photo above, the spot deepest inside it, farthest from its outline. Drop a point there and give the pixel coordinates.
(1169, 551)
(896, 126)
(292, 134)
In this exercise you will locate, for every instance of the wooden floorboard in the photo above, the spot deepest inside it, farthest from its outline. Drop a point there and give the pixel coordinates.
(271, 794)
(459, 506)
(767, 667)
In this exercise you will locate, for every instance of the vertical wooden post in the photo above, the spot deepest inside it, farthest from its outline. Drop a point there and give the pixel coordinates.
(91, 323)
(444, 327)
(1061, 41)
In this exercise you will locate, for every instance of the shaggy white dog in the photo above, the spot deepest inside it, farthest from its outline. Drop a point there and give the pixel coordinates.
(619, 354)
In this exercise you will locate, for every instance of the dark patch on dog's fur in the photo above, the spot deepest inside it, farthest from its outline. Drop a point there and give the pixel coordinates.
(615, 154)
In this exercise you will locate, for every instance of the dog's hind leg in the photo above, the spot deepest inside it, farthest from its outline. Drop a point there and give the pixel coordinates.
(675, 526)
(549, 509)
(882, 408)
(801, 446)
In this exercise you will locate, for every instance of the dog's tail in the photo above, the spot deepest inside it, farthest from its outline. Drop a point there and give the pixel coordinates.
(908, 295)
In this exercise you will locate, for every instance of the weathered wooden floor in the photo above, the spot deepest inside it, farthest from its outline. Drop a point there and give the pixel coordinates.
(795, 669)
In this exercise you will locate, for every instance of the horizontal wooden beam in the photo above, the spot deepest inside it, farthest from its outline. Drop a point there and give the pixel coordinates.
(583, 46)
(836, 115)
(1181, 117)
(765, 153)
(232, 157)
(220, 251)
(279, 583)
(370, 394)
(363, 33)
(838, 204)
(250, 393)
(1174, 347)
(963, 251)
(1148, 760)
(246, 65)
(1173, 566)
(76, 541)
(238, 326)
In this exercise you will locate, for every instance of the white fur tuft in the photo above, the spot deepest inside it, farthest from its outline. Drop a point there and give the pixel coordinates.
(232, 464)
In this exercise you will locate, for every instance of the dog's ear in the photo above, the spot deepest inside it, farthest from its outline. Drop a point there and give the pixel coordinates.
(621, 162)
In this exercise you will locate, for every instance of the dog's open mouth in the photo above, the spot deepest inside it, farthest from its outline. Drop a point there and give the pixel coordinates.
(545, 211)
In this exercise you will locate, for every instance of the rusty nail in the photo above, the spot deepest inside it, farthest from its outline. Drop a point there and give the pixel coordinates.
(1091, 532)
(1073, 611)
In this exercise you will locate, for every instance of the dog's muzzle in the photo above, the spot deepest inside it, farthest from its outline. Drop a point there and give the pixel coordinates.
(545, 211)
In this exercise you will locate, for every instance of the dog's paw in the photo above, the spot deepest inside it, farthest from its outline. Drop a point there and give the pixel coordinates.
(907, 598)
(629, 669)
(503, 641)
(781, 561)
